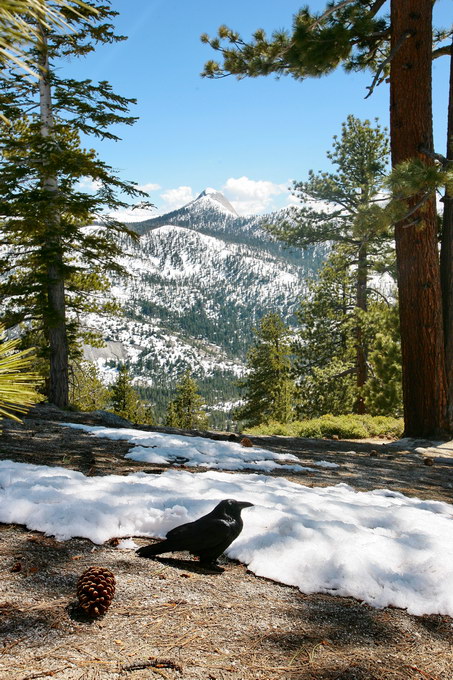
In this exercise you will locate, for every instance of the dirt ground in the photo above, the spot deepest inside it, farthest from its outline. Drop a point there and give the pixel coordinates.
(171, 618)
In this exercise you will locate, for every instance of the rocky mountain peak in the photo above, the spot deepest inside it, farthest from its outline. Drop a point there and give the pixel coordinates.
(216, 197)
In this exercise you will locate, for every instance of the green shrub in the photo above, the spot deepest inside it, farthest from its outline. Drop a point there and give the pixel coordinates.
(348, 426)
(285, 429)
(18, 382)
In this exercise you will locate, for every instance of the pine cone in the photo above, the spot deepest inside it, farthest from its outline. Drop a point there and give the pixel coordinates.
(245, 442)
(95, 590)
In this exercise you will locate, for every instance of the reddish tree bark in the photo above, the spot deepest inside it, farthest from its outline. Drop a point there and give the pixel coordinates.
(446, 259)
(424, 377)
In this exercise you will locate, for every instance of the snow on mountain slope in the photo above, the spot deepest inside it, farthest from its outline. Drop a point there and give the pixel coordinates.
(209, 212)
(177, 275)
(176, 259)
(212, 199)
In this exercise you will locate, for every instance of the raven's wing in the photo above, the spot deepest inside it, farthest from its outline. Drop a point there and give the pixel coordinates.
(203, 534)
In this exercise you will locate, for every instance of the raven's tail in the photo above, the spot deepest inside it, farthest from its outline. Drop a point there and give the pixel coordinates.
(153, 549)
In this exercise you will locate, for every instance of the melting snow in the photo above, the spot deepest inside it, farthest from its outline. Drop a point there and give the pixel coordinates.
(164, 449)
(379, 546)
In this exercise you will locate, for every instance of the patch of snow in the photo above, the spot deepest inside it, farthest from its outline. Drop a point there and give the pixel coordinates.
(325, 464)
(173, 449)
(127, 544)
(378, 546)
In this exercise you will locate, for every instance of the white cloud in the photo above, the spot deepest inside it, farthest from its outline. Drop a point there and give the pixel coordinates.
(88, 184)
(171, 200)
(250, 196)
(149, 187)
(176, 198)
(130, 215)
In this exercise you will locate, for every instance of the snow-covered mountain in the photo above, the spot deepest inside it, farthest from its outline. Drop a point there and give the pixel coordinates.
(201, 277)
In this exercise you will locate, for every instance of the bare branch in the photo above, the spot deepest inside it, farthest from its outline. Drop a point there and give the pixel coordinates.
(401, 41)
(348, 371)
(376, 7)
(436, 156)
(378, 292)
(414, 209)
(413, 223)
(442, 52)
(330, 11)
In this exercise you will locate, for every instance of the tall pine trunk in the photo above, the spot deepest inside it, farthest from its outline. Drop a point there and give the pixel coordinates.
(360, 348)
(446, 259)
(55, 314)
(424, 376)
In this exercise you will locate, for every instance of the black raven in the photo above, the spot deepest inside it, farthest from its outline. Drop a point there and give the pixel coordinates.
(207, 537)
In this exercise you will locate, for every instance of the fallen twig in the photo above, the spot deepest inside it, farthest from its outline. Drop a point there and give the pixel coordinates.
(151, 663)
(7, 647)
(419, 670)
(45, 674)
(183, 640)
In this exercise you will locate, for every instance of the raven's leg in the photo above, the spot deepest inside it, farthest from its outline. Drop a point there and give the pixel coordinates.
(212, 566)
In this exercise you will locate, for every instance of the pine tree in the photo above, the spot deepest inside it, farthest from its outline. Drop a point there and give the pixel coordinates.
(87, 391)
(185, 410)
(171, 417)
(420, 299)
(54, 265)
(324, 365)
(350, 193)
(356, 34)
(325, 347)
(125, 401)
(383, 391)
(268, 386)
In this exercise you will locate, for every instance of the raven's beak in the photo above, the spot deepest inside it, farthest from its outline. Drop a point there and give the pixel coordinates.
(244, 504)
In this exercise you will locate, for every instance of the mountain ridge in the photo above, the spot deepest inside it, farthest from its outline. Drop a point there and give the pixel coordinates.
(201, 279)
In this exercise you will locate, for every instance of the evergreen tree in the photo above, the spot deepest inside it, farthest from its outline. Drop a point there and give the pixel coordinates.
(268, 386)
(324, 364)
(87, 391)
(350, 193)
(419, 288)
(399, 47)
(125, 401)
(54, 264)
(171, 418)
(185, 410)
(325, 347)
(383, 391)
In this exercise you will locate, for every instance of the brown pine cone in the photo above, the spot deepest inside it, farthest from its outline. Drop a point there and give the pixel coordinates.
(95, 590)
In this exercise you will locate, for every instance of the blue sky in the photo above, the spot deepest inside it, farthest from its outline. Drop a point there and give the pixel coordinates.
(246, 138)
